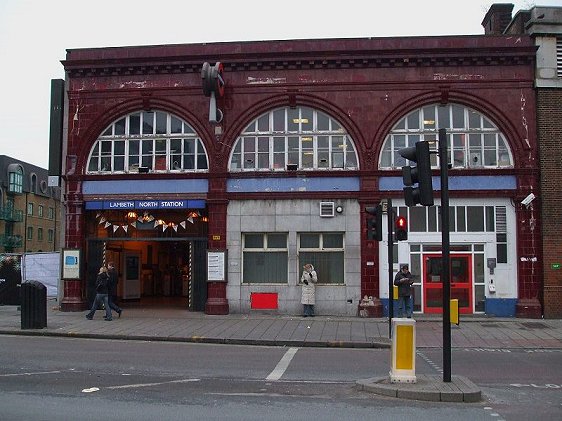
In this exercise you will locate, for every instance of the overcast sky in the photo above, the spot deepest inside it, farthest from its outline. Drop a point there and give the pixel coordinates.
(34, 36)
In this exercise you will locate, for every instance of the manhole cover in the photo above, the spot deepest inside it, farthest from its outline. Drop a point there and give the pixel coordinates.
(534, 325)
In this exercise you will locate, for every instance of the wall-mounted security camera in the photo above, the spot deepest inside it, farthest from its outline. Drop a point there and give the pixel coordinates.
(527, 201)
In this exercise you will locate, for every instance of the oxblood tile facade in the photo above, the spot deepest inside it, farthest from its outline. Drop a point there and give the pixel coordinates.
(366, 84)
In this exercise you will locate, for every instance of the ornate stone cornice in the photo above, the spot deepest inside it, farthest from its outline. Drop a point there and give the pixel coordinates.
(318, 54)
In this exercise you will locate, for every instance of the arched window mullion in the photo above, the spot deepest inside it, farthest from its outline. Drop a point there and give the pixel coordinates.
(463, 153)
(300, 141)
(152, 144)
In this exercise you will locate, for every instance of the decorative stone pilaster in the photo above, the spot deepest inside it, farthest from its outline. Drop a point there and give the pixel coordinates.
(73, 298)
(217, 302)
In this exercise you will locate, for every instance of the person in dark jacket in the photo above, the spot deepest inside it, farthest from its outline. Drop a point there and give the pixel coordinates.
(102, 285)
(404, 280)
(113, 279)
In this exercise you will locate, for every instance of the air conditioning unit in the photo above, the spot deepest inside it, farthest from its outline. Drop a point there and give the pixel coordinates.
(327, 209)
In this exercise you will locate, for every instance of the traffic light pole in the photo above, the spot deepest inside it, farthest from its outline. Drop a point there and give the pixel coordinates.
(445, 251)
(389, 213)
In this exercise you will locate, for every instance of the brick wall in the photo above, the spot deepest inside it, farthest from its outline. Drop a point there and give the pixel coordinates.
(549, 118)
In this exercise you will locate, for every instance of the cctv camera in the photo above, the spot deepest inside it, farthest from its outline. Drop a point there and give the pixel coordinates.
(527, 201)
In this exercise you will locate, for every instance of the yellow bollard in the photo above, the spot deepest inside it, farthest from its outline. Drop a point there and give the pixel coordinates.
(395, 292)
(454, 311)
(403, 349)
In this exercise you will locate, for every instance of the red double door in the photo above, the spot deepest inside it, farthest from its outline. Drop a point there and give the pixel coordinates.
(460, 277)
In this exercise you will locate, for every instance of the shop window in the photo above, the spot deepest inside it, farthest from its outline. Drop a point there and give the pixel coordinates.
(325, 251)
(265, 258)
(475, 218)
(473, 141)
(417, 219)
(299, 138)
(148, 141)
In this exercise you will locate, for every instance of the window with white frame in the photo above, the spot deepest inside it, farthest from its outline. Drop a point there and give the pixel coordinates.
(155, 140)
(15, 179)
(559, 56)
(461, 218)
(473, 140)
(30, 209)
(40, 211)
(325, 251)
(51, 213)
(264, 258)
(302, 137)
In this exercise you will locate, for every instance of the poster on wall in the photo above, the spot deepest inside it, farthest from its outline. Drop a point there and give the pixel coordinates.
(216, 265)
(71, 264)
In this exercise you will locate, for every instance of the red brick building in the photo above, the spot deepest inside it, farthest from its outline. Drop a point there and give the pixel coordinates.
(544, 26)
(303, 137)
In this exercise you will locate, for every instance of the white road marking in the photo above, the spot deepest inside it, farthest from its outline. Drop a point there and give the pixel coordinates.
(282, 365)
(133, 386)
(30, 374)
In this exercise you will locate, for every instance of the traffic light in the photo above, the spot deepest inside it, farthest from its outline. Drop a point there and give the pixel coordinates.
(374, 222)
(401, 229)
(420, 174)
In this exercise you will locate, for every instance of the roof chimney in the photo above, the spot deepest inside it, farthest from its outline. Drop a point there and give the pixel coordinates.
(497, 18)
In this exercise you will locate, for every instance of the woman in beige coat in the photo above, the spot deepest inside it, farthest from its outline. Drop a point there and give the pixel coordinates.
(308, 280)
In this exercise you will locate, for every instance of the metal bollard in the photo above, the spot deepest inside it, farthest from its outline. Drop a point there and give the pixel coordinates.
(403, 361)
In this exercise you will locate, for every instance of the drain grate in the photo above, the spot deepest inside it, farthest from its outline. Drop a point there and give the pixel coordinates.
(534, 325)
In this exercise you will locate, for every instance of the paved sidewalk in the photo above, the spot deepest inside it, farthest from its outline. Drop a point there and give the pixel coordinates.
(160, 324)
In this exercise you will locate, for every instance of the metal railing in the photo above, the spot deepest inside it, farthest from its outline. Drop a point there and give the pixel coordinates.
(11, 241)
(9, 214)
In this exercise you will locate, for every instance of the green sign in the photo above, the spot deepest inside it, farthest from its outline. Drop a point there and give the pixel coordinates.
(555, 266)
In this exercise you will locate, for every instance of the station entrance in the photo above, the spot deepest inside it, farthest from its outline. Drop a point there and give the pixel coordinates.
(160, 256)
(155, 273)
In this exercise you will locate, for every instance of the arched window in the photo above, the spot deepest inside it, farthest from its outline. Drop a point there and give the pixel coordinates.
(15, 178)
(291, 138)
(145, 141)
(33, 182)
(473, 140)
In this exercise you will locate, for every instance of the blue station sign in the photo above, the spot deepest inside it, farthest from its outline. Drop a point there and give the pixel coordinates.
(145, 204)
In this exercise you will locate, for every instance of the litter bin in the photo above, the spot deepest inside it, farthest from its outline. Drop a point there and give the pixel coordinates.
(33, 305)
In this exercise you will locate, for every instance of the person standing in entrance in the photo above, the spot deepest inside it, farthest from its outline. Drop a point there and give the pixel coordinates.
(102, 284)
(404, 280)
(308, 299)
(113, 279)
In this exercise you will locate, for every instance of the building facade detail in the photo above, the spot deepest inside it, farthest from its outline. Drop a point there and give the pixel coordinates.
(309, 137)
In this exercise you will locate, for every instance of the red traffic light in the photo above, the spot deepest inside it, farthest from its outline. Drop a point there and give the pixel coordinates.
(401, 230)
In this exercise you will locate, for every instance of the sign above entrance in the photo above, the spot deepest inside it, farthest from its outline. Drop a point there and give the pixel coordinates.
(145, 204)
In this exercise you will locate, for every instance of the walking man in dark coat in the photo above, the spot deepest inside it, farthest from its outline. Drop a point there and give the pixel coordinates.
(113, 279)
